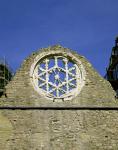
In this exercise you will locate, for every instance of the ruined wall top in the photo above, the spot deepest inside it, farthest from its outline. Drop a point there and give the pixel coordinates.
(57, 76)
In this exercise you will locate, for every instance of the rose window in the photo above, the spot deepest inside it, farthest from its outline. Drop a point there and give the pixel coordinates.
(57, 77)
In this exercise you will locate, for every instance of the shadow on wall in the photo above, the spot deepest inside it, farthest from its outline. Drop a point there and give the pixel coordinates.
(5, 75)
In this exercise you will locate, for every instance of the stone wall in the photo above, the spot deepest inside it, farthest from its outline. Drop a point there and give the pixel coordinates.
(58, 129)
(96, 91)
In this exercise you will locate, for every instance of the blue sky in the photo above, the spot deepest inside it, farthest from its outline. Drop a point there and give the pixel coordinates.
(86, 26)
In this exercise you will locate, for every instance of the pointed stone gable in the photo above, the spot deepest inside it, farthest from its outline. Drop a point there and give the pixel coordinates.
(51, 97)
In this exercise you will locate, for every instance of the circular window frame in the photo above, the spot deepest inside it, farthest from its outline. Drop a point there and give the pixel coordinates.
(70, 56)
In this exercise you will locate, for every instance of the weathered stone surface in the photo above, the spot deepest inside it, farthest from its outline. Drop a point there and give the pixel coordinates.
(58, 129)
(62, 130)
(96, 91)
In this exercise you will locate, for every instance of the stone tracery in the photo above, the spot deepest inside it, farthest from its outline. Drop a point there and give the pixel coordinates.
(57, 76)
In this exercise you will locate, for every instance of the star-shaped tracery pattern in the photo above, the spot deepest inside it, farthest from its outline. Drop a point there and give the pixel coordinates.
(57, 76)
